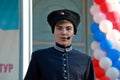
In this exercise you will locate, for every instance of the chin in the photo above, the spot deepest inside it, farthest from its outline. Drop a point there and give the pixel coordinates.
(65, 43)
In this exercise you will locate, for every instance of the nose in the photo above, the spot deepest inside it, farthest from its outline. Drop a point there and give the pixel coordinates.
(64, 31)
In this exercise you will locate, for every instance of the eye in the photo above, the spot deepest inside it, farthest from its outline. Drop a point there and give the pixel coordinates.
(59, 28)
(68, 28)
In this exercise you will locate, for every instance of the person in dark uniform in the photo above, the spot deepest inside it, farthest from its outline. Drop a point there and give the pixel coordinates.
(61, 61)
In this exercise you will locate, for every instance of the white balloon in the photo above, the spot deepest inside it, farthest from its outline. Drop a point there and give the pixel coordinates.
(112, 1)
(95, 45)
(116, 45)
(106, 26)
(99, 53)
(98, 17)
(94, 9)
(112, 73)
(105, 63)
(113, 35)
(115, 7)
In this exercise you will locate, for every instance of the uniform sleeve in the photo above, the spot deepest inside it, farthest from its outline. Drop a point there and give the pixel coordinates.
(90, 71)
(32, 72)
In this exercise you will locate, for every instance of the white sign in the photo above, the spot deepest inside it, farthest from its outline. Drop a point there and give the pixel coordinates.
(9, 55)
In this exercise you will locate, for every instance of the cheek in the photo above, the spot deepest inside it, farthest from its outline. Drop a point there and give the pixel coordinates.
(56, 34)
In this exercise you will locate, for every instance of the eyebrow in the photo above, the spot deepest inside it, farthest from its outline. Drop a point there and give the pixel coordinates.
(63, 26)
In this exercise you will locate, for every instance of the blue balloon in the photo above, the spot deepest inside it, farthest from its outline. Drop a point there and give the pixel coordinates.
(99, 36)
(94, 27)
(106, 45)
(117, 65)
(113, 54)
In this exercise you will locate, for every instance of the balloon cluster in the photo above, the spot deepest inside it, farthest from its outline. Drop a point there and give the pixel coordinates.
(106, 35)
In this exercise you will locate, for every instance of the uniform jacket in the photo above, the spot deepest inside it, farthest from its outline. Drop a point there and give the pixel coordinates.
(58, 63)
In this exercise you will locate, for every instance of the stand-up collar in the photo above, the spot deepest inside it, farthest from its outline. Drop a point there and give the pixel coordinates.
(62, 48)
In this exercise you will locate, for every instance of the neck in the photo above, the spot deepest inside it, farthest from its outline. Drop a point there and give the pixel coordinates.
(60, 47)
(63, 46)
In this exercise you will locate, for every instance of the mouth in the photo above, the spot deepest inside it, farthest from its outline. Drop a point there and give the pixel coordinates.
(63, 38)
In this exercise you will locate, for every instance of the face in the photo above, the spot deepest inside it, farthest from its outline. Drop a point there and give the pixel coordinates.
(63, 30)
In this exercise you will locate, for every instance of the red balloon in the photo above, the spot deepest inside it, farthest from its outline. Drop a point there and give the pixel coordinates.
(99, 72)
(95, 62)
(113, 16)
(116, 26)
(104, 78)
(105, 7)
(99, 1)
